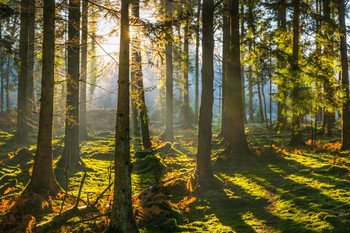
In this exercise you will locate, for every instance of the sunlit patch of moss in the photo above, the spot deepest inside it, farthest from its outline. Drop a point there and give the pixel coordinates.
(209, 223)
(257, 224)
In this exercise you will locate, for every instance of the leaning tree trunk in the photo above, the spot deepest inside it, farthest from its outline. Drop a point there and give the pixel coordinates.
(345, 77)
(204, 169)
(84, 51)
(297, 138)
(43, 179)
(70, 154)
(137, 70)
(22, 123)
(122, 219)
(168, 134)
(238, 145)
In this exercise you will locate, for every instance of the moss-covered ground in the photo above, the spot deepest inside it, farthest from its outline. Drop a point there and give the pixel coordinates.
(284, 190)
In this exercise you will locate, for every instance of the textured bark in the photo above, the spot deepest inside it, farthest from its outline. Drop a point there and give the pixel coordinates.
(137, 72)
(297, 138)
(345, 77)
(84, 48)
(2, 75)
(225, 63)
(196, 99)
(169, 99)
(22, 121)
(122, 219)
(43, 179)
(261, 109)
(71, 144)
(204, 169)
(238, 145)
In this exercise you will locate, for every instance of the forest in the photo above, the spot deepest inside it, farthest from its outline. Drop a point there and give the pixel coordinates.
(174, 116)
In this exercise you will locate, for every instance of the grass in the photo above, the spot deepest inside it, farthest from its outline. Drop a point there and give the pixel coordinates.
(286, 190)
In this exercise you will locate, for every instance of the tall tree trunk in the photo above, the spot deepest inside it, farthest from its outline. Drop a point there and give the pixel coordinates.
(187, 124)
(22, 121)
(2, 74)
(70, 154)
(225, 64)
(251, 28)
(329, 115)
(204, 169)
(250, 91)
(196, 99)
(84, 51)
(281, 104)
(168, 134)
(137, 72)
(345, 77)
(238, 144)
(31, 56)
(242, 65)
(297, 138)
(122, 219)
(43, 179)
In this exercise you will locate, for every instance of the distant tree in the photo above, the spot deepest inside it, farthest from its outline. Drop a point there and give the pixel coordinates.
(43, 180)
(2, 74)
(122, 219)
(196, 100)
(70, 154)
(31, 57)
(204, 170)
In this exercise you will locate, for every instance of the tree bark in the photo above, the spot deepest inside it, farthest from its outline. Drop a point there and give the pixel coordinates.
(31, 56)
(122, 219)
(2, 74)
(22, 121)
(204, 169)
(84, 49)
(137, 72)
(238, 145)
(168, 134)
(345, 77)
(196, 100)
(187, 124)
(70, 154)
(43, 179)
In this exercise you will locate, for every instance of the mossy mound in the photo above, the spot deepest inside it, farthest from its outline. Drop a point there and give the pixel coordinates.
(177, 187)
(21, 158)
(151, 163)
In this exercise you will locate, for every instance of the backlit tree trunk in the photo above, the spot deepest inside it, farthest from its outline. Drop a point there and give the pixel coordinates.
(203, 169)
(122, 219)
(31, 56)
(187, 124)
(70, 154)
(43, 179)
(84, 52)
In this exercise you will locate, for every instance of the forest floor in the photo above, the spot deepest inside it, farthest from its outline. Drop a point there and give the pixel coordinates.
(284, 190)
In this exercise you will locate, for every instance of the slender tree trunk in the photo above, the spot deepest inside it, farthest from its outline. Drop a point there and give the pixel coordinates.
(251, 28)
(137, 72)
(204, 169)
(70, 154)
(43, 179)
(261, 109)
(187, 124)
(264, 103)
(122, 219)
(196, 101)
(345, 77)
(242, 65)
(281, 104)
(31, 56)
(2, 74)
(250, 92)
(22, 121)
(84, 51)
(297, 138)
(225, 64)
(238, 144)
(168, 134)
